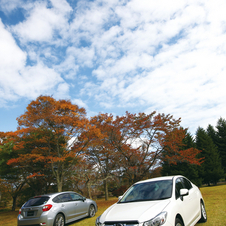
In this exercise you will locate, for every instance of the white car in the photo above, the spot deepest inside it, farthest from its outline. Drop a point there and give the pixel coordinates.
(168, 201)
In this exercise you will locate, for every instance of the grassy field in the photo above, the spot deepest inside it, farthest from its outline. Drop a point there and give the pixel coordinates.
(215, 201)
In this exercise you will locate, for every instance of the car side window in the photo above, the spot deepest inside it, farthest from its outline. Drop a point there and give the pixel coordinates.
(66, 198)
(76, 197)
(179, 185)
(62, 198)
(187, 183)
(56, 199)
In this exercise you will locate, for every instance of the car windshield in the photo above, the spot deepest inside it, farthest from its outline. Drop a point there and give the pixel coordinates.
(37, 201)
(154, 190)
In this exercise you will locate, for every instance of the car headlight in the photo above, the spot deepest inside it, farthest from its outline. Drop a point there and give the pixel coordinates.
(98, 223)
(158, 220)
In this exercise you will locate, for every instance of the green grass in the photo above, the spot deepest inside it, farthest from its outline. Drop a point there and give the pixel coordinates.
(215, 198)
(215, 201)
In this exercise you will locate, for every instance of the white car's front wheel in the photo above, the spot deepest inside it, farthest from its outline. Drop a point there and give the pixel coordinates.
(203, 213)
(178, 222)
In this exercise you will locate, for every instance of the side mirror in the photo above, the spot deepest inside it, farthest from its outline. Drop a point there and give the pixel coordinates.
(119, 198)
(184, 192)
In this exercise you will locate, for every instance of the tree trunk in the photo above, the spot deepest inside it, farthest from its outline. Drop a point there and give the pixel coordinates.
(89, 189)
(59, 182)
(14, 203)
(59, 185)
(106, 189)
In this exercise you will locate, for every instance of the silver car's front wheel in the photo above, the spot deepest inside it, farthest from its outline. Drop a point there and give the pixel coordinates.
(92, 211)
(59, 220)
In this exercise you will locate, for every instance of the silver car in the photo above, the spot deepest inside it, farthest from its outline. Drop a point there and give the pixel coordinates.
(55, 209)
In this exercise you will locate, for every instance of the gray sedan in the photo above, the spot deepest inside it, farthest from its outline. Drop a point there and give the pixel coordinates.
(56, 209)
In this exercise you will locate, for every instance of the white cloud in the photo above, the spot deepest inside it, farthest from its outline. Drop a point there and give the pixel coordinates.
(42, 22)
(150, 55)
(10, 53)
(80, 103)
(62, 91)
(18, 80)
(12, 59)
(36, 80)
(8, 6)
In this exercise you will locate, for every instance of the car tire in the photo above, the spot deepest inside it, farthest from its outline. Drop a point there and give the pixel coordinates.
(59, 220)
(203, 218)
(178, 222)
(92, 211)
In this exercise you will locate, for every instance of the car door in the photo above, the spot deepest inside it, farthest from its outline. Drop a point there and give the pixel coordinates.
(194, 203)
(68, 206)
(182, 202)
(81, 206)
(187, 203)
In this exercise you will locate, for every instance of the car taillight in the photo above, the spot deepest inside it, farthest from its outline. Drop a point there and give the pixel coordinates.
(46, 207)
(19, 211)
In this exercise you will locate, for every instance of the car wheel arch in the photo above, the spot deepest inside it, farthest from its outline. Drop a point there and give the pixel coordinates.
(60, 213)
(92, 206)
(65, 219)
(179, 217)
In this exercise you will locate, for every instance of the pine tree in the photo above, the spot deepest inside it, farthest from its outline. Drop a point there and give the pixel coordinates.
(221, 141)
(212, 133)
(210, 170)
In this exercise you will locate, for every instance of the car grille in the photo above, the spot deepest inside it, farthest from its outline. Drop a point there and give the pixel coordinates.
(121, 223)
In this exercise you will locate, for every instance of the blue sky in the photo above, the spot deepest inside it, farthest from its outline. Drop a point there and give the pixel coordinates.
(113, 56)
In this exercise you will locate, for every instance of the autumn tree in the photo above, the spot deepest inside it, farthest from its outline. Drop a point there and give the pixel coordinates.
(86, 177)
(11, 180)
(100, 153)
(185, 168)
(132, 145)
(50, 128)
(143, 140)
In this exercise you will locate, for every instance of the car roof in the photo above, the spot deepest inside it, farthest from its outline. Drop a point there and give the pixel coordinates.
(159, 178)
(53, 194)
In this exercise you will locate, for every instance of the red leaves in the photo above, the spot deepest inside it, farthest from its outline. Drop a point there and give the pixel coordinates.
(136, 142)
(34, 175)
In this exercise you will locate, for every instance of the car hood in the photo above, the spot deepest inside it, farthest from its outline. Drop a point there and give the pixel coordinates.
(134, 211)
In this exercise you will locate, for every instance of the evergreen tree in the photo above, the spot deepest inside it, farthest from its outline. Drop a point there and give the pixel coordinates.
(184, 168)
(210, 170)
(212, 133)
(221, 141)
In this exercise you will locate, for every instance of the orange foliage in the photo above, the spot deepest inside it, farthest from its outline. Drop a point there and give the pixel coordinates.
(133, 143)
(44, 133)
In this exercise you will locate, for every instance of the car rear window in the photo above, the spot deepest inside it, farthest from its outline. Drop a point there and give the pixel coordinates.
(37, 201)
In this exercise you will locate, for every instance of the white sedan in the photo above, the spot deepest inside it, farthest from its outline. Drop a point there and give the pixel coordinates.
(168, 201)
